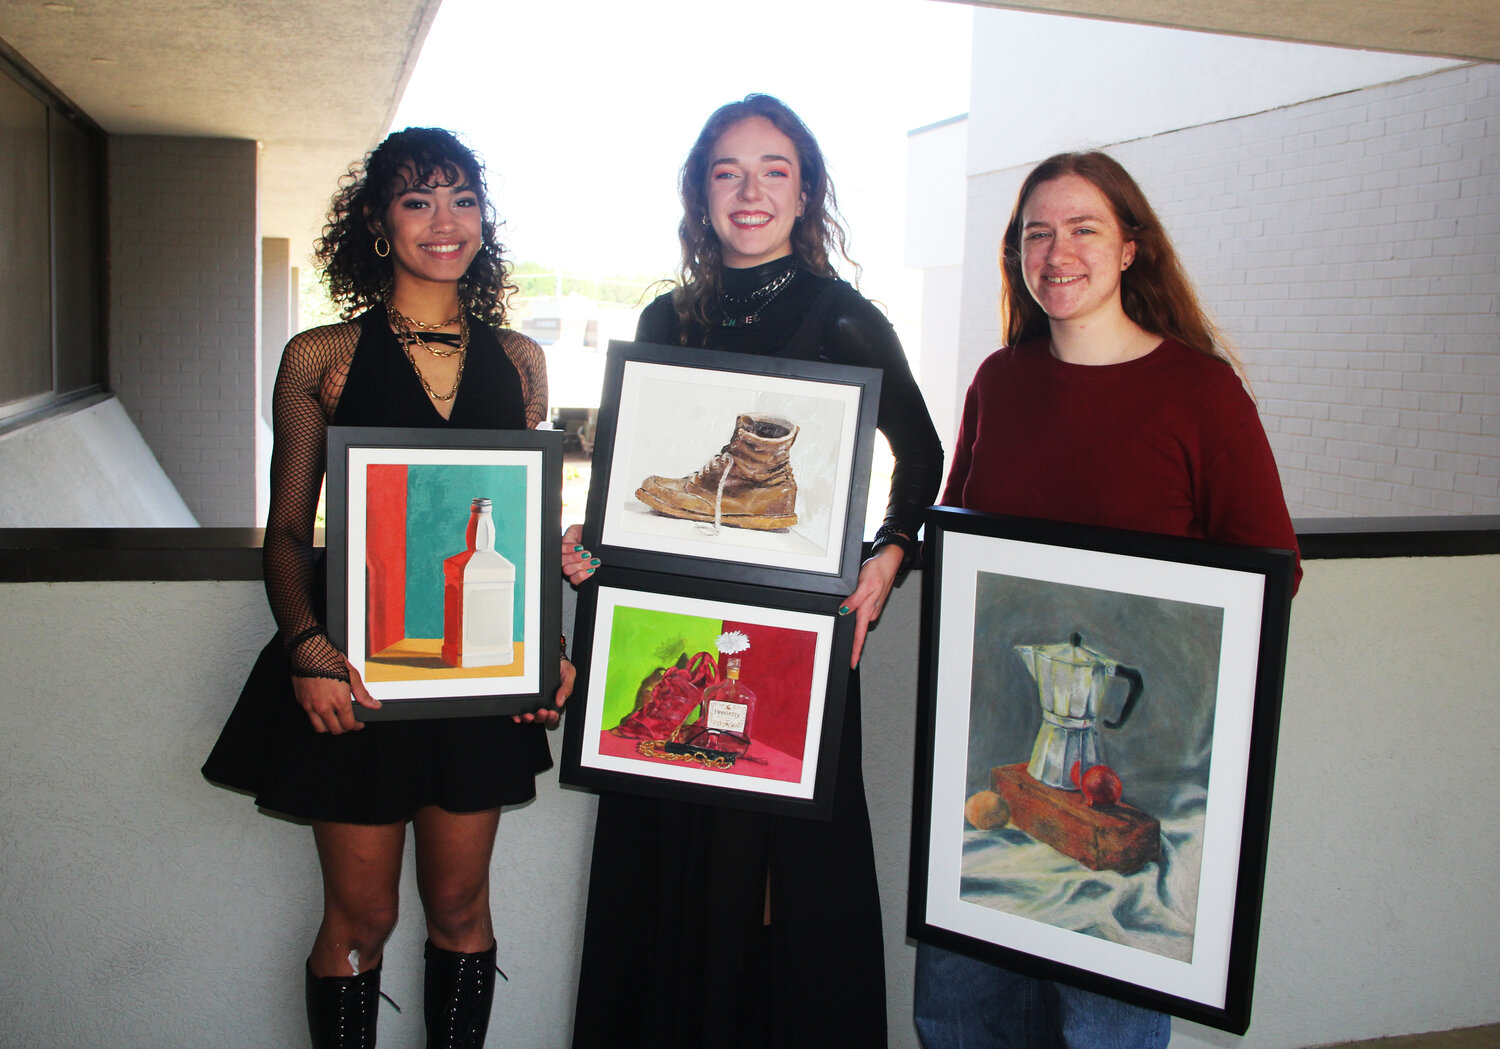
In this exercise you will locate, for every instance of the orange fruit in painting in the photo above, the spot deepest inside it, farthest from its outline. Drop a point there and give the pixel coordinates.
(986, 811)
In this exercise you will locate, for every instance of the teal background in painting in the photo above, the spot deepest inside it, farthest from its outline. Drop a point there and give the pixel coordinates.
(437, 516)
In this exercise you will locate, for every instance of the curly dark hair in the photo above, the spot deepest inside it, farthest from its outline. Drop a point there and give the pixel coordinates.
(815, 237)
(358, 278)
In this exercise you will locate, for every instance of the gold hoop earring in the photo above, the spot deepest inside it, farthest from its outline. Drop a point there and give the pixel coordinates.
(379, 241)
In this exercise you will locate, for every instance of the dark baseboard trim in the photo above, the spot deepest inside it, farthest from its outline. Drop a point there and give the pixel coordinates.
(68, 555)
(1332, 538)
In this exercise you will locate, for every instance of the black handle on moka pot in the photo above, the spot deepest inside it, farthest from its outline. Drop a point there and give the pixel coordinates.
(1133, 676)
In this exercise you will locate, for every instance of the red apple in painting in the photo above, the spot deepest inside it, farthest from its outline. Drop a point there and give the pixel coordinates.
(1101, 786)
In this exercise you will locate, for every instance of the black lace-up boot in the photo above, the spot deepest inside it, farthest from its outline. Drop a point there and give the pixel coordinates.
(456, 997)
(342, 1010)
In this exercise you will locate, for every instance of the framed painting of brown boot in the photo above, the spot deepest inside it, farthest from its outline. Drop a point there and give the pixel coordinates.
(1097, 729)
(699, 690)
(732, 467)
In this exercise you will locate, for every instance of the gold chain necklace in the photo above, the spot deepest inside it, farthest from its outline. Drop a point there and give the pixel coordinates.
(406, 337)
(414, 323)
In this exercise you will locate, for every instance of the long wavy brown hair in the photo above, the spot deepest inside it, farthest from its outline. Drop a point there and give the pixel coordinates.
(1155, 291)
(356, 276)
(817, 235)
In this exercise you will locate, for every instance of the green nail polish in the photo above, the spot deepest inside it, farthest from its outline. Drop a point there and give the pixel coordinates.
(843, 610)
(578, 549)
(594, 561)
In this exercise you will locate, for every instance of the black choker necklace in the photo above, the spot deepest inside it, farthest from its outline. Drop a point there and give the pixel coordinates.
(757, 300)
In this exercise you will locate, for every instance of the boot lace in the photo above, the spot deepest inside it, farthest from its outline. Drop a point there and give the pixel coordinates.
(725, 460)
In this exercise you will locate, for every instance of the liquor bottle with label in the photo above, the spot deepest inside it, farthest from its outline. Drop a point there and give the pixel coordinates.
(728, 711)
(479, 587)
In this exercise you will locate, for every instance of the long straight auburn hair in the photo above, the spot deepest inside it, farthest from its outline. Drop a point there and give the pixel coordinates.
(1155, 291)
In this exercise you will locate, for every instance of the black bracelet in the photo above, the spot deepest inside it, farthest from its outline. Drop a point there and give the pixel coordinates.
(894, 535)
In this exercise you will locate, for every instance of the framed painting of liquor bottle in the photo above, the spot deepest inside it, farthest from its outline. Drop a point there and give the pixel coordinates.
(443, 588)
(1096, 743)
(732, 466)
(701, 690)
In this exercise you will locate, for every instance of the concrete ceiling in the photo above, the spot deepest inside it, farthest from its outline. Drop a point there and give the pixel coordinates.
(1467, 29)
(316, 82)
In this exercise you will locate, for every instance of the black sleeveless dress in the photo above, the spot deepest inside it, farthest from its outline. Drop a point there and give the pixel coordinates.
(675, 952)
(387, 770)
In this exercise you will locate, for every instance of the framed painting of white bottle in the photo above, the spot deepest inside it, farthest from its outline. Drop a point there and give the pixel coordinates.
(1096, 745)
(731, 466)
(440, 590)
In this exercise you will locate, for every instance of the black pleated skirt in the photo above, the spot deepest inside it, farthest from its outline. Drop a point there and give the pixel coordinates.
(382, 773)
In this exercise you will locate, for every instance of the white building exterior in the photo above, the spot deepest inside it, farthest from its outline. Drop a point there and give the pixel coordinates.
(1338, 209)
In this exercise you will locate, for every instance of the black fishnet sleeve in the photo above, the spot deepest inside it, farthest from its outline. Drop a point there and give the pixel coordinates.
(313, 369)
(531, 363)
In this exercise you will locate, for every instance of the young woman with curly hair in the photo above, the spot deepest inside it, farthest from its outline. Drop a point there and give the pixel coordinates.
(712, 926)
(411, 255)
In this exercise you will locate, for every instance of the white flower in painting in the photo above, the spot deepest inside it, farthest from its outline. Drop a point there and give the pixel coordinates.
(731, 642)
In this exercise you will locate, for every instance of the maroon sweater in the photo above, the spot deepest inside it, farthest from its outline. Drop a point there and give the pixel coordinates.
(1168, 443)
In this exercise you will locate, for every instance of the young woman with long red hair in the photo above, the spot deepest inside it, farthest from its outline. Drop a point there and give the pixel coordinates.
(1115, 402)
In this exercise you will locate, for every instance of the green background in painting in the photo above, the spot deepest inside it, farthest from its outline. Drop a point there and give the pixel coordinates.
(437, 517)
(642, 641)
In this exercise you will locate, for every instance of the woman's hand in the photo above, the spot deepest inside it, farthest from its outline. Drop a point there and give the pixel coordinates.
(548, 715)
(329, 702)
(577, 563)
(876, 577)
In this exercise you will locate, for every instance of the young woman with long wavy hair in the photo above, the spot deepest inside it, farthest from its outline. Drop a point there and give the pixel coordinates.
(712, 926)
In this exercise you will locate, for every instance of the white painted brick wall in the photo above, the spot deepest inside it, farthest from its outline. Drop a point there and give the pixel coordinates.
(182, 311)
(1351, 248)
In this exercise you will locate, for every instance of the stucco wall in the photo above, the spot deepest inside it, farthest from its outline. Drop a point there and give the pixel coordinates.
(85, 468)
(185, 915)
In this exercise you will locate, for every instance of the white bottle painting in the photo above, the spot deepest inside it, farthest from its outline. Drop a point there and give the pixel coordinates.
(479, 588)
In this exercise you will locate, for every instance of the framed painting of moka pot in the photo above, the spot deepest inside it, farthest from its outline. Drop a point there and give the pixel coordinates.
(443, 589)
(733, 467)
(1095, 753)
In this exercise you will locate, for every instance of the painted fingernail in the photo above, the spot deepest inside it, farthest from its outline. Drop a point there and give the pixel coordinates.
(594, 562)
(843, 610)
(578, 549)
(589, 572)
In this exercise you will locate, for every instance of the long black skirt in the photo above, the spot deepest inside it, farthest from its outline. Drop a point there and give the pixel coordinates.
(676, 954)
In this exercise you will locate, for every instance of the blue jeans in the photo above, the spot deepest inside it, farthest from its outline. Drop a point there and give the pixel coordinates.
(962, 1003)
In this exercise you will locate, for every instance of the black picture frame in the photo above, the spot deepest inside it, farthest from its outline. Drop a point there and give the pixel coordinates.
(667, 410)
(397, 506)
(1181, 644)
(796, 662)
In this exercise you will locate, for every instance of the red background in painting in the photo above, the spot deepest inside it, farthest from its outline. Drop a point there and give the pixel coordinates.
(385, 555)
(778, 668)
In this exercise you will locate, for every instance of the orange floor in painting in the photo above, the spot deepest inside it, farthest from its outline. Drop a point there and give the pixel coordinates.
(420, 659)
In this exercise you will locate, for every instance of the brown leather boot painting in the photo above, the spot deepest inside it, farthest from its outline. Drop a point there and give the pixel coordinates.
(748, 484)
